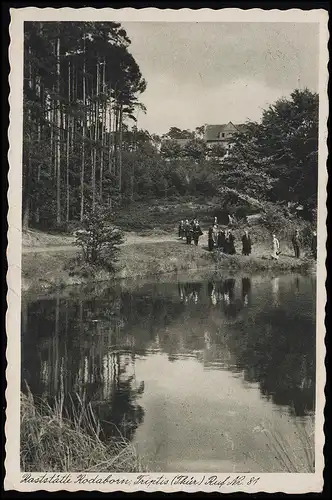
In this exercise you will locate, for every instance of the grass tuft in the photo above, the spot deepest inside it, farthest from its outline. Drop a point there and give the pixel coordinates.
(51, 441)
(284, 455)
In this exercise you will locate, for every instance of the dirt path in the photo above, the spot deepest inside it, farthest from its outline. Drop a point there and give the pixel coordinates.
(130, 239)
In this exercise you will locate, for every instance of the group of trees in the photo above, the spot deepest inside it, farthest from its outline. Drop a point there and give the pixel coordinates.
(82, 147)
(276, 160)
(81, 84)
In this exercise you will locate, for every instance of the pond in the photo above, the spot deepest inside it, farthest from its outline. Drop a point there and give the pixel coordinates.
(210, 374)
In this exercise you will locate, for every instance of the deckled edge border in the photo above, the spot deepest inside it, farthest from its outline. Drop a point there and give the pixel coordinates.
(13, 269)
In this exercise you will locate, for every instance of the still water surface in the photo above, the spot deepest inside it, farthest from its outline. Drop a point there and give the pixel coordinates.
(196, 373)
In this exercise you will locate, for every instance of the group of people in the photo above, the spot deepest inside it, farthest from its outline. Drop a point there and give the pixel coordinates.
(296, 242)
(223, 239)
(218, 238)
(191, 231)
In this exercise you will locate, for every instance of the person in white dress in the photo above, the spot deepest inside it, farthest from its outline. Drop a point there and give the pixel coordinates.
(275, 247)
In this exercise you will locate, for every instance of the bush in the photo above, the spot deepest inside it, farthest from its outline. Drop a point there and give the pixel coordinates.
(274, 220)
(306, 234)
(99, 238)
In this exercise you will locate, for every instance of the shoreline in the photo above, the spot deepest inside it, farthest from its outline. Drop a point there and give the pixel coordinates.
(52, 269)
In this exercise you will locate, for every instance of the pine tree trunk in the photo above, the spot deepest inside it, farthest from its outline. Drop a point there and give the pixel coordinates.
(110, 142)
(58, 150)
(103, 119)
(52, 137)
(27, 192)
(83, 145)
(68, 146)
(115, 138)
(94, 160)
(38, 177)
(120, 148)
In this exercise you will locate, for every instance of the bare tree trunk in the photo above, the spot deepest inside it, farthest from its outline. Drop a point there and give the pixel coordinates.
(96, 117)
(103, 119)
(58, 151)
(52, 135)
(120, 148)
(110, 142)
(68, 146)
(83, 145)
(115, 138)
(27, 193)
(38, 175)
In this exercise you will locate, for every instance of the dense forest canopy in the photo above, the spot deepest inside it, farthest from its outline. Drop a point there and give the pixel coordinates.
(83, 148)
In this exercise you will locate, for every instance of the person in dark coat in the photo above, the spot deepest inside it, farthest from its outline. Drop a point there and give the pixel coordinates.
(296, 243)
(210, 239)
(181, 230)
(215, 236)
(226, 242)
(221, 240)
(197, 232)
(231, 244)
(314, 244)
(246, 244)
(188, 232)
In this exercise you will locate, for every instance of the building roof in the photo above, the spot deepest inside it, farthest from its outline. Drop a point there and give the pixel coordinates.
(212, 132)
(241, 127)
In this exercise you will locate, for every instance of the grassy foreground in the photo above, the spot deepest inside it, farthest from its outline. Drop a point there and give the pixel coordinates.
(52, 442)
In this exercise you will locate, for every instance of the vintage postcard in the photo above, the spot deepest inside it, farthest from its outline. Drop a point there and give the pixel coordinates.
(166, 250)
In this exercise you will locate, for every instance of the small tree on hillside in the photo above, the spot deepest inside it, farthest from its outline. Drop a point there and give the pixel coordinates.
(99, 238)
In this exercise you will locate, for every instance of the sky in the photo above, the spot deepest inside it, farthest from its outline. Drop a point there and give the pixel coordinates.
(199, 73)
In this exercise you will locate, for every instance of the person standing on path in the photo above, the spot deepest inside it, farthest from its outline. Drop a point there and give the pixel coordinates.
(246, 244)
(210, 239)
(275, 247)
(215, 235)
(296, 243)
(197, 232)
(231, 240)
(226, 241)
(314, 244)
(181, 230)
(187, 228)
(221, 240)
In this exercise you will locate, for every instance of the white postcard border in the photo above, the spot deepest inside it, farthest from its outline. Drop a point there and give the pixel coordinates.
(14, 479)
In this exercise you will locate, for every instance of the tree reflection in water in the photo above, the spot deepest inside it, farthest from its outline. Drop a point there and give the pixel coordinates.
(88, 345)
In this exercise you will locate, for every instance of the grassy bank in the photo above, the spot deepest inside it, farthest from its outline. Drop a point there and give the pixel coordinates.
(53, 442)
(144, 260)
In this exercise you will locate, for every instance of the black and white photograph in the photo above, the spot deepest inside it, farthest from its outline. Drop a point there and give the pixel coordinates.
(166, 250)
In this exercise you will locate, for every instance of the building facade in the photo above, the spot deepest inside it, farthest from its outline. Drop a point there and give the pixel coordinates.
(221, 134)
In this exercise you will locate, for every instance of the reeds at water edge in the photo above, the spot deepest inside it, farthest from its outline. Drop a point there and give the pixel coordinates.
(53, 441)
(286, 453)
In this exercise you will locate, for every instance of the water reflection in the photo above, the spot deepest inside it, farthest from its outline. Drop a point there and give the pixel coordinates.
(262, 330)
(246, 288)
